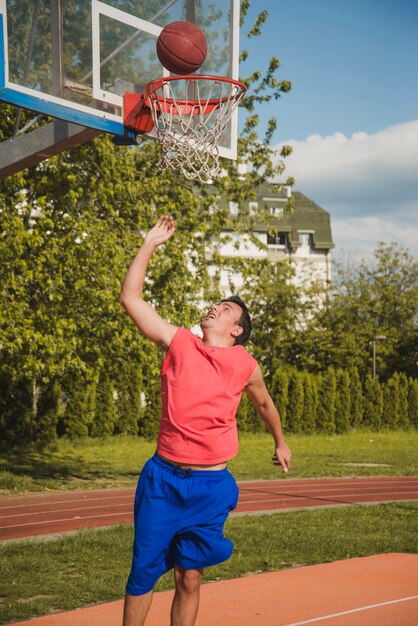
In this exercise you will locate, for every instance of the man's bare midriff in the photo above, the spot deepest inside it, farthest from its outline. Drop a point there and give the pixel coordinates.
(218, 466)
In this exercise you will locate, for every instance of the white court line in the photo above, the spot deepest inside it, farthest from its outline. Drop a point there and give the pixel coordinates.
(362, 608)
(50, 502)
(333, 499)
(128, 509)
(67, 519)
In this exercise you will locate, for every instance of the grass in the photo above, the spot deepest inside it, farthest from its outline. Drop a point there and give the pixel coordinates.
(116, 462)
(92, 566)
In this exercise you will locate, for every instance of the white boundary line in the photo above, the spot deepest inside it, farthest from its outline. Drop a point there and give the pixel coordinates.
(361, 608)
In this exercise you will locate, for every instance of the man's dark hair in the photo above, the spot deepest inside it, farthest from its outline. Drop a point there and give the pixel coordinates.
(244, 321)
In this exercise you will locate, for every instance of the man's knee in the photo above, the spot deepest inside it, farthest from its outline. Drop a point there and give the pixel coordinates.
(188, 580)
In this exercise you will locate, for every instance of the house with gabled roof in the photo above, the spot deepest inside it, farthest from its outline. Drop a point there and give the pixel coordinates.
(302, 236)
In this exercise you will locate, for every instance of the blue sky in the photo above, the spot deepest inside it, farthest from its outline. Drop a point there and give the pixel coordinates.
(352, 114)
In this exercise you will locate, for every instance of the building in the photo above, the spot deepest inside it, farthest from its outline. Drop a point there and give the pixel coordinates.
(302, 236)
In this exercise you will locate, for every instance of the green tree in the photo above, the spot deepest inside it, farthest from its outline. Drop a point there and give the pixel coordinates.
(48, 412)
(373, 402)
(104, 419)
(280, 392)
(247, 417)
(342, 402)
(16, 411)
(391, 413)
(296, 402)
(128, 402)
(326, 404)
(70, 228)
(403, 400)
(413, 402)
(356, 398)
(309, 403)
(75, 418)
(377, 296)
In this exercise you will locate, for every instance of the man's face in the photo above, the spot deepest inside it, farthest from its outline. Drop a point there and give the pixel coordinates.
(223, 319)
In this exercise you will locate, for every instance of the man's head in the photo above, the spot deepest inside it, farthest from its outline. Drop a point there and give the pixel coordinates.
(229, 319)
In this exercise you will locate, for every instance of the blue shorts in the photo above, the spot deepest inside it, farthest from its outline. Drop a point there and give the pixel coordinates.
(179, 519)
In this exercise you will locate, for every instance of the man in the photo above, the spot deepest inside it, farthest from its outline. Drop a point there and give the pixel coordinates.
(185, 491)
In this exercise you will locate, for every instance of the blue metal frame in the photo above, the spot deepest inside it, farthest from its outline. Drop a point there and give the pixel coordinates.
(61, 112)
(2, 60)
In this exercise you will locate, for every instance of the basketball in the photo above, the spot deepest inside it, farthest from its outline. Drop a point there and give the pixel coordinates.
(181, 47)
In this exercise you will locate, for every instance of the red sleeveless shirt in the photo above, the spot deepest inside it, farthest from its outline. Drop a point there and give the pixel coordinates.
(201, 387)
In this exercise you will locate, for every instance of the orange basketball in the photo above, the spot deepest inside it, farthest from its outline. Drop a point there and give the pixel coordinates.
(181, 47)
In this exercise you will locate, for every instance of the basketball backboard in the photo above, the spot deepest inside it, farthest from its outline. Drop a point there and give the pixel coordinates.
(74, 60)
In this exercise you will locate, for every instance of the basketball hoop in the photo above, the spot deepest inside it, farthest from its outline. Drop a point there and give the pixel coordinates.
(189, 115)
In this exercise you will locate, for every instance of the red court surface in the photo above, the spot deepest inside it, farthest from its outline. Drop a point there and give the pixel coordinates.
(379, 590)
(46, 513)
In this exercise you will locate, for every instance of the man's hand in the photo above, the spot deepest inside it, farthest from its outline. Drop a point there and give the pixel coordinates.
(161, 232)
(282, 457)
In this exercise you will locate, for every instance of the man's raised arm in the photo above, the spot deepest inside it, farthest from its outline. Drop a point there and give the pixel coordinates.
(149, 322)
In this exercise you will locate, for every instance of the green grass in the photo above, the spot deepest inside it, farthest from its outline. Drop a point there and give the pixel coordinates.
(116, 461)
(40, 577)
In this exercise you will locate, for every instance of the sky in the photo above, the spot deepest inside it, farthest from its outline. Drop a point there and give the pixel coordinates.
(352, 114)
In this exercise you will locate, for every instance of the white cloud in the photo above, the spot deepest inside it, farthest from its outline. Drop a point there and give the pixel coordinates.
(369, 184)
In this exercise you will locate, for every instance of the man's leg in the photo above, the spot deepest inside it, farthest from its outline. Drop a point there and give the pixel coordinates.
(136, 609)
(186, 598)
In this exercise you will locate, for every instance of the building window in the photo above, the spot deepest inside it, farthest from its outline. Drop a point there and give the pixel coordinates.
(276, 210)
(277, 239)
(253, 207)
(233, 208)
(306, 239)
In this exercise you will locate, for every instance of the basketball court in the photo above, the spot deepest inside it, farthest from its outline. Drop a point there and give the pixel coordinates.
(379, 590)
(93, 69)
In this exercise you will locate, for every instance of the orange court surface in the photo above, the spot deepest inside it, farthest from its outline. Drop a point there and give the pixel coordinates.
(380, 590)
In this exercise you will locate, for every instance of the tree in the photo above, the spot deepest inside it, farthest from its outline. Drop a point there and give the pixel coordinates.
(129, 385)
(75, 417)
(326, 404)
(377, 296)
(104, 419)
(413, 402)
(391, 412)
(280, 392)
(373, 403)
(310, 400)
(296, 402)
(71, 226)
(403, 400)
(343, 402)
(356, 398)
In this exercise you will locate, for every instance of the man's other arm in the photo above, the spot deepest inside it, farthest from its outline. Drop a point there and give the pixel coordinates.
(264, 405)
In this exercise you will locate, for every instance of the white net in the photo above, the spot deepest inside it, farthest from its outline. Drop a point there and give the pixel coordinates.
(190, 116)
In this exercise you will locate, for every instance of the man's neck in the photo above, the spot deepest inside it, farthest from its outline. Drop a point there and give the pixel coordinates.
(217, 342)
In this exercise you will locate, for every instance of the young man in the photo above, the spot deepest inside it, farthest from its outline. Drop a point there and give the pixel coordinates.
(185, 491)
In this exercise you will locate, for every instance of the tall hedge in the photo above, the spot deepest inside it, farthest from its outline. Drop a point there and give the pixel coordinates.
(310, 403)
(295, 404)
(413, 402)
(104, 418)
(342, 402)
(356, 398)
(280, 392)
(373, 403)
(325, 420)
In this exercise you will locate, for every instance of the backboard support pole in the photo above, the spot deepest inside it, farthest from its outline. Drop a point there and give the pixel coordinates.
(57, 49)
(40, 144)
